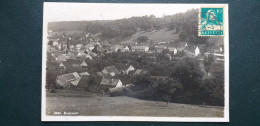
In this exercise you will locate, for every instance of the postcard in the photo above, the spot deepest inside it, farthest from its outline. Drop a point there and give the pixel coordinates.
(163, 62)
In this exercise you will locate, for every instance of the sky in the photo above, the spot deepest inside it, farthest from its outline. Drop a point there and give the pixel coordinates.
(54, 11)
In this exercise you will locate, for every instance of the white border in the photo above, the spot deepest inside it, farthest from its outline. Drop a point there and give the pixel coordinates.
(45, 117)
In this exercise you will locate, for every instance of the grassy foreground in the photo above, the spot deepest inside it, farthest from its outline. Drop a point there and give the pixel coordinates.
(75, 103)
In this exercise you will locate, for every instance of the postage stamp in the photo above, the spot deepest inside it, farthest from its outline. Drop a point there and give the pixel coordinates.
(211, 22)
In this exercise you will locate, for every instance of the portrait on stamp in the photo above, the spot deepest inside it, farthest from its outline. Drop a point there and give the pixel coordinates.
(135, 62)
(211, 20)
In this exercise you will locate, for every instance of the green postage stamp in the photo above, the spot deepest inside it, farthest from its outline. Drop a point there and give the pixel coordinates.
(211, 21)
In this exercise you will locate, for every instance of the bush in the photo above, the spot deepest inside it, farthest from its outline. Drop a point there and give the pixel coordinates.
(212, 89)
(167, 89)
(141, 39)
(212, 92)
(189, 73)
(183, 35)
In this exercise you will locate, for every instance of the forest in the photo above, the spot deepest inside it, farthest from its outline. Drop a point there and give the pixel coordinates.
(184, 24)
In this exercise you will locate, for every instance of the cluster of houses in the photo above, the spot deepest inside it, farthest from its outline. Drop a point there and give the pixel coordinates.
(62, 55)
(94, 48)
(111, 77)
(65, 65)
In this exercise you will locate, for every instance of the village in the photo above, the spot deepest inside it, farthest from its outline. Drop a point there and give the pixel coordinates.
(72, 62)
(134, 66)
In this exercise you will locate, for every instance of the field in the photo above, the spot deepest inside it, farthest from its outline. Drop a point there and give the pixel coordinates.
(88, 104)
(162, 35)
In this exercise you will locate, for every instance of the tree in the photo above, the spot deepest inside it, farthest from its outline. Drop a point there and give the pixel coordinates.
(141, 39)
(208, 61)
(95, 50)
(183, 35)
(178, 29)
(212, 89)
(142, 81)
(189, 73)
(162, 57)
(167, 88)
(51, 76)
(165, 51)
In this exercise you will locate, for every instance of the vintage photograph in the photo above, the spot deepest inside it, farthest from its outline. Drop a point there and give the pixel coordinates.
(135, 62)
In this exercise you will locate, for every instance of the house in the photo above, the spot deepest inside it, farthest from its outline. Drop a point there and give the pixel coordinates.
(50, 48)
(192, 50)
(140, 72)
(219, 57)
(61, 58)
(71, 55)
(81, 54)
(173, 49)
(126, 49)
(68, 80)
(181, 45)
(109, 80)
(160, 48)
(119, 91)
(79, 46)
(55, 43)
(216, 49)
(84, 81)
(62, 66)
(106, 47)
(162, 43)
(84, 55)
(90, 46)
(70, 63)
(106, 78)
(100, 48)
(88, 56)
(92, 54)
(100, 73)
(197, 51)
(125, 79)
(116, 48)
(111, 70)
(83, 64)
(88, 82)
(111, 83)
(64, 48)
(140, 48)
(120, 48)
(116, 83)
(124, 68)
(220, 49)
(84, 73)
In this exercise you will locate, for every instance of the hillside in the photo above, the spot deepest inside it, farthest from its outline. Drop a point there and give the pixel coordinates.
(92, 105)
(161, 35)
(171, 28)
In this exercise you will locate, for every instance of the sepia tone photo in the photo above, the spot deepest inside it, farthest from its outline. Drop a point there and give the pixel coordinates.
(135, 62)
